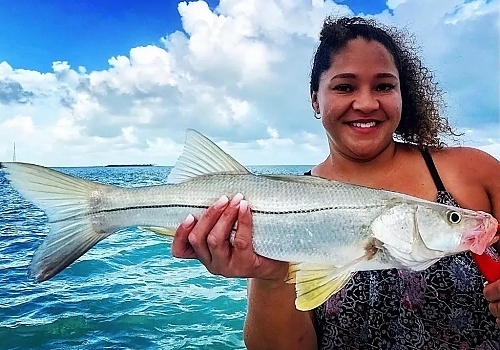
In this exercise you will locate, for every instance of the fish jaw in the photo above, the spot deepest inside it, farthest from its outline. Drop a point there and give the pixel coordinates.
(482, 236)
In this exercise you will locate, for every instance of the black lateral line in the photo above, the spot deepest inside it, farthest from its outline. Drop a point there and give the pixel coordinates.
(162, 206)
(266, 212)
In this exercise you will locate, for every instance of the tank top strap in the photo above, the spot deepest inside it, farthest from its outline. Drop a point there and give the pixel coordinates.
(432, 169)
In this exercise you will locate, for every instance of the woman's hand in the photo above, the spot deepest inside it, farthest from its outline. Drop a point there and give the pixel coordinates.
(208, 239)
(492, 294)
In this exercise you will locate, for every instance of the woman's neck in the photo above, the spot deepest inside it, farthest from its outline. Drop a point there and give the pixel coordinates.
(338, 166)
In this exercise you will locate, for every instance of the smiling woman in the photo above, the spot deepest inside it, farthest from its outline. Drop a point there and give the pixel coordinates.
(370, 90)
(359, 98)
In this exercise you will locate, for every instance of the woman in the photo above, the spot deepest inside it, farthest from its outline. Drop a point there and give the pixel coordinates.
(368, 88)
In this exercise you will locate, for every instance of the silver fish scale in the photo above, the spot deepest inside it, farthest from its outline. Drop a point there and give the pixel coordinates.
(295, 218)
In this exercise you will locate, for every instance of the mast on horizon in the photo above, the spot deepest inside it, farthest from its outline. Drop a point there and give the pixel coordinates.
(14, 155)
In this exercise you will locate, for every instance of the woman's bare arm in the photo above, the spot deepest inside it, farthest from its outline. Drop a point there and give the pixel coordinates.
(272, 320)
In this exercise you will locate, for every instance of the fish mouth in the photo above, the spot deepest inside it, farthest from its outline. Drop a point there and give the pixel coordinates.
(483, 236)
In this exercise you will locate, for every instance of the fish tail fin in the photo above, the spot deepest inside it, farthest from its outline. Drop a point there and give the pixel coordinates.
(68, 202)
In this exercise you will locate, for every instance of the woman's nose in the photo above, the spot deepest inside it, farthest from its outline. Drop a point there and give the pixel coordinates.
(365, 101)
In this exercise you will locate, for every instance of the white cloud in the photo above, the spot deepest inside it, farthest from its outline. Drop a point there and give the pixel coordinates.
(238, 73)
(471, 10)
(21, 125)
(392, 4)
(273, 133)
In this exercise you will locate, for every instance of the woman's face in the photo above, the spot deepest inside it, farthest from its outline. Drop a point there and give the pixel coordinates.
(359, 100)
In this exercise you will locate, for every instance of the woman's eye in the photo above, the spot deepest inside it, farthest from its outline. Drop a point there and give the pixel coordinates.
(343, 88)
(385, 87)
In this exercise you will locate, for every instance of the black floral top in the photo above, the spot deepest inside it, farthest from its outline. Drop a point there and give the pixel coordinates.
(442, 307)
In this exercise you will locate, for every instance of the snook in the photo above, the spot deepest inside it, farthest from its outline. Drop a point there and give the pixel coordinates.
(327, 230)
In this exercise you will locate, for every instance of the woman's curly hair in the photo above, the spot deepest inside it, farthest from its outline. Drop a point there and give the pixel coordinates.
(421, 121)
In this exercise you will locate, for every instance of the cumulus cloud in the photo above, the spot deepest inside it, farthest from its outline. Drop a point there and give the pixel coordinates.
(238, 73)
(12, 92)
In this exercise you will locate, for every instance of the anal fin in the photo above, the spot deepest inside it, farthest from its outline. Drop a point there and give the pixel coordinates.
(314, 287)
(315, 283)
(163, 231)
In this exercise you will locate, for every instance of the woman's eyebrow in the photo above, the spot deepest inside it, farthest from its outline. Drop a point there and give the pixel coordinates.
(344, 75)
(386, 75)
(352, 75)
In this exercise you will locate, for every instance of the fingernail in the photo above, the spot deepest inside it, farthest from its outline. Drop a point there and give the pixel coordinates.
(243, 206)
(188, 221)
(221, 203)
(236, 199)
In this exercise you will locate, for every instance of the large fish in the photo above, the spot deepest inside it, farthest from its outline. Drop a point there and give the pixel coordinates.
(327, 230)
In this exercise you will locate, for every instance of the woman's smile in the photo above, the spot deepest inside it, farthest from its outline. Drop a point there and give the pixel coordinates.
(364, 126)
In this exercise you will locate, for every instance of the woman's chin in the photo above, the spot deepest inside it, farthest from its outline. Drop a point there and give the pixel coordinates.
(367, 150)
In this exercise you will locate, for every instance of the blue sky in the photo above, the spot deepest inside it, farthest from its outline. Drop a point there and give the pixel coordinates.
(236, 70)
(87, 33)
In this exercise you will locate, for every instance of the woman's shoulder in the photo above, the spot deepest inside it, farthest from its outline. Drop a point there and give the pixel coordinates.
(459, 158)
(472, 176)
(463, 151)
(466, 160)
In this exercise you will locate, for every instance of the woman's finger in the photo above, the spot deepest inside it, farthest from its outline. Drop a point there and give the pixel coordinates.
(492, 294)
(495, 309)
(242, 240)
(198, 236)
(218, 238)
(244, 261)
(243, 255)
(181, 248)
(492, 291)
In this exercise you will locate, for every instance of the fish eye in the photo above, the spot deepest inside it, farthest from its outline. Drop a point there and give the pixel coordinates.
(454, 217)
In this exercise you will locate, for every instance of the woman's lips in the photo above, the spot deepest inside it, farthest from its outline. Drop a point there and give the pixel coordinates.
(364, 126)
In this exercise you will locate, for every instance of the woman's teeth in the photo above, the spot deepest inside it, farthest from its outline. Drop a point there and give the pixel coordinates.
(364, 125)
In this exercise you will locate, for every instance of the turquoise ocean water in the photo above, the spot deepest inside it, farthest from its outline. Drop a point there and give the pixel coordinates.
(126, 293)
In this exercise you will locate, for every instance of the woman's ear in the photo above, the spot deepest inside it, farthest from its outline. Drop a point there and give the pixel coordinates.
(314, 102)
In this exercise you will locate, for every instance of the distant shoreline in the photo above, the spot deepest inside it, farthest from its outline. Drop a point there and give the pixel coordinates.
(126, 165)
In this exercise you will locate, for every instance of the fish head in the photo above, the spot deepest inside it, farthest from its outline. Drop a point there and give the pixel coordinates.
(451, 229)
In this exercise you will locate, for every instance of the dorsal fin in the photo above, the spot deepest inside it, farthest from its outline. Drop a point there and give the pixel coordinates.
(201, 157)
